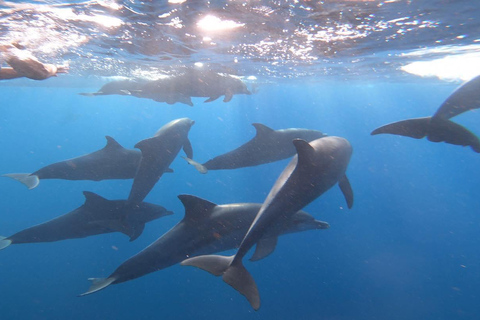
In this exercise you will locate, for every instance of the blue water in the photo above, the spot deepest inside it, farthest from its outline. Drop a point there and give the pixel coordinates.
(408, 249)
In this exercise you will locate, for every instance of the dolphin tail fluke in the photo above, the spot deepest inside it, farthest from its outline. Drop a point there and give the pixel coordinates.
(442, 130)
(30, 181)
(200, 168)
(234, 274)
(98, 284)
(214, 264)
(435, 129)
(4, 242)
(242, 281)
(415, 128)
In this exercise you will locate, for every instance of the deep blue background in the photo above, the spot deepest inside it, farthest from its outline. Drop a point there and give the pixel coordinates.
(407, 250)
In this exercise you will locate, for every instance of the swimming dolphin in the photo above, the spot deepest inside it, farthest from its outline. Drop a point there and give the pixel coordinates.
(206, 83)
(439, 128)
(163, 90)
(96, 216)
(120, 87)
(111, 162)
(317, 166)
(206, 228)
(268, 145)
(157, 154)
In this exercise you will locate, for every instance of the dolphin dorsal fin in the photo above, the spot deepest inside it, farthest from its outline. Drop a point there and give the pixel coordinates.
(93, 199)
(112, 143)
(305, 151)
(262, 129)
(196, 208)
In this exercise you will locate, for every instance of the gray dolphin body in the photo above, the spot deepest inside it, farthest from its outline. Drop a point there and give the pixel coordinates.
(318, 166)
(163, 90)
(120, 87)
(210, 84)
(157, 154)
(206, 228)
(439, 128)
(111, 162)
(96, 216)
(179, 88)
(267, 146)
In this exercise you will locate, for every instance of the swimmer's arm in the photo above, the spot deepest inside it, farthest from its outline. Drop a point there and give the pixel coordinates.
(9, 73)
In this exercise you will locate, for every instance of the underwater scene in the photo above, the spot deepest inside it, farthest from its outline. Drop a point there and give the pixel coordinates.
(256, 159)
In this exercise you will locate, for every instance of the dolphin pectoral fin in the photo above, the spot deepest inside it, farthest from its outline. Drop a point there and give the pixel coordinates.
(347, 191)
(110, 224)
(185, 100)
(136, 231)
(169, 170)
(415, 128)
(133, 231)
(90, 94)
(234, 274)
(241, 280)
(228, 96)
(187, 148)
(211, 99)
(29, 180)
(200, 168)
(97, 285)
(4, 242)
(214, 264)
(264, 248)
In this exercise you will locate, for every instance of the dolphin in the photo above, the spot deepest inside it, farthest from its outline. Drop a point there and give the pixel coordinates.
(207, 83)
(120, 87)
(439, 128)
(317, 166)
(163, 90)
(267, 146)
(96, 216)
(111, 162)
(157, 154)
(206, 228)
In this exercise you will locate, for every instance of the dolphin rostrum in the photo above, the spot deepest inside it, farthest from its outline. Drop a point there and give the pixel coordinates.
(206, 228)
(439, 128)
(111, 162)
(317, 166)
(96, 216)
(158, 153)
(267, 146)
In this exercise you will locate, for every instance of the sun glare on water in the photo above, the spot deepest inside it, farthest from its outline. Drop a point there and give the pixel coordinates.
(457, 63)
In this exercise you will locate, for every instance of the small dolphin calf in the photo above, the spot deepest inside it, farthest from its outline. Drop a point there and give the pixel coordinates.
(318, 166)
(206, 228)
(439, 128)
(268, 145)
(111, 162)
(157, 154)
(96, 216)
